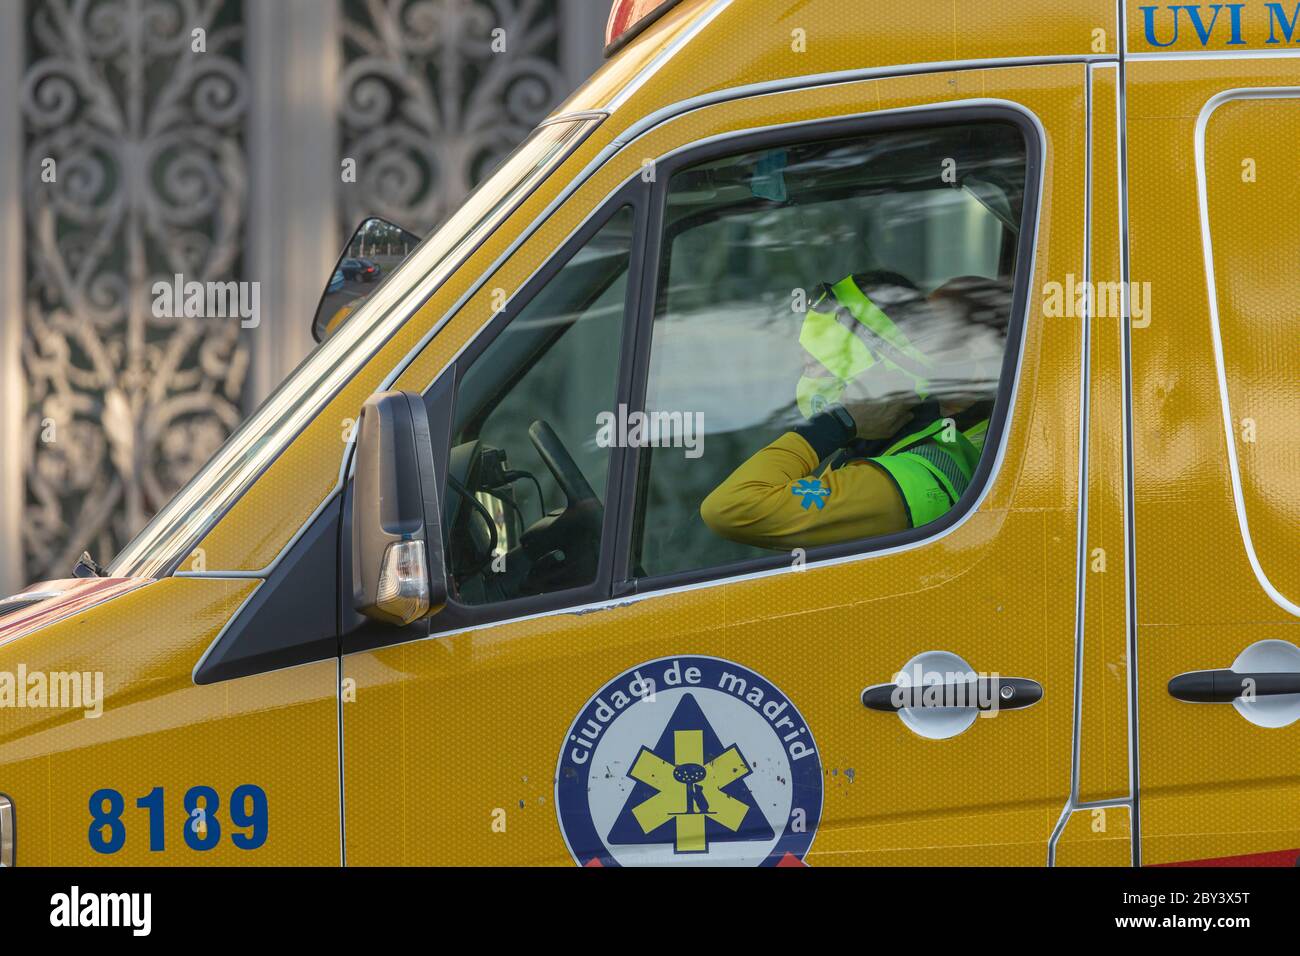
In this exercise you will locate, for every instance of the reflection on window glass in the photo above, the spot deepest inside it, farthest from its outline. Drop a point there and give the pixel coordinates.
(527, 476)
(834, 315)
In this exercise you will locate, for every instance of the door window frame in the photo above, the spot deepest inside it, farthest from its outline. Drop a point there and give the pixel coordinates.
(647, 200)
(731, 144)
(440, 399)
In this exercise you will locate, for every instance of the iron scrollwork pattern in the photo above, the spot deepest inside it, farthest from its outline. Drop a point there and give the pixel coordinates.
(433, 93)
(146, 137)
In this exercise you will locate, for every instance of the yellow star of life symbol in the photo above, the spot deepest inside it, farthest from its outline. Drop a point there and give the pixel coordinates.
(673, 802)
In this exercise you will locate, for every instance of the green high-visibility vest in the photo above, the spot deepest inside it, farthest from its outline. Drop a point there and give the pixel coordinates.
(933, 467)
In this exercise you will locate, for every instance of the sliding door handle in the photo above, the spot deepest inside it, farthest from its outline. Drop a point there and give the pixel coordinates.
(982, 693)
(1225, 686)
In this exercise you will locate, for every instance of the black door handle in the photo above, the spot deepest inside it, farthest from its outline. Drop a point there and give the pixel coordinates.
(1225, 686)
(982, 693)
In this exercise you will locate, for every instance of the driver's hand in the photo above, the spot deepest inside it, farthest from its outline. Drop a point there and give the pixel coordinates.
(880, 401)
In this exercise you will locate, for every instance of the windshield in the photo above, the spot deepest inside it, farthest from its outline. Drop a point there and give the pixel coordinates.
(189, 514)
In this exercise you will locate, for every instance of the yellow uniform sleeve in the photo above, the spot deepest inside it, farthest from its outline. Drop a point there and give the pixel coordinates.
(774, 501)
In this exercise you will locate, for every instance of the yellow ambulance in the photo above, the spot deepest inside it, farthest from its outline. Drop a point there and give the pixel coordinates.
(449, 596)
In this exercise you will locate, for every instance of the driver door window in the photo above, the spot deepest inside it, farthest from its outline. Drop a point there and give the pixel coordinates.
(527, 475)
(752, 337)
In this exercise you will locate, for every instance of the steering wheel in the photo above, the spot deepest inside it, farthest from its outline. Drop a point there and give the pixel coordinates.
(561, 465)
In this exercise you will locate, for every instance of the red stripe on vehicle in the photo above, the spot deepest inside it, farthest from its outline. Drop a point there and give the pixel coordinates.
(1271, 858)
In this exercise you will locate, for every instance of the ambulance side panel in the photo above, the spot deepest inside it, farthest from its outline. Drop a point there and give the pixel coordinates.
(1213, 236)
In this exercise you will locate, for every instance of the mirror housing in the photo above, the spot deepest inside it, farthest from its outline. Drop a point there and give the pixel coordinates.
(376, 248)
(398, 569)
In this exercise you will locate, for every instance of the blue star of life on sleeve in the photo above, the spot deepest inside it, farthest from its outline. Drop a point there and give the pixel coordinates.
(811, 491)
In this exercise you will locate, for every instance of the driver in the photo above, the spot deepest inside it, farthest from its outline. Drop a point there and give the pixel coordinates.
(865, 381)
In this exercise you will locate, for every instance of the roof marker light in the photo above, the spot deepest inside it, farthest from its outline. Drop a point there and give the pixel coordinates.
(627, 18)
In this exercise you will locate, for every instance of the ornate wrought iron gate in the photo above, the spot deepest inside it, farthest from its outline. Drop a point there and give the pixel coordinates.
(219, 140)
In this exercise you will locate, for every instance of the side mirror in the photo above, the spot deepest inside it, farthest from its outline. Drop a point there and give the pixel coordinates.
(376, 248)
(398, 570)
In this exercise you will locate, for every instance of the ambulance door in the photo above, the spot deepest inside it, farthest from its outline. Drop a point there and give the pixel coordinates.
(612, 681)
(1215, 229)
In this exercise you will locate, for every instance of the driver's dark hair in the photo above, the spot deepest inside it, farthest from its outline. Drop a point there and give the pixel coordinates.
(883, 277)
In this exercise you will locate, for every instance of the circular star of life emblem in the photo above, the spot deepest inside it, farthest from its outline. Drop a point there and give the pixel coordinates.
(689, 761)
